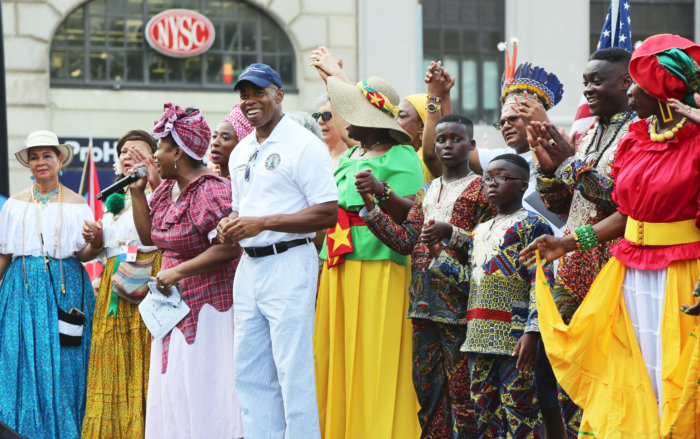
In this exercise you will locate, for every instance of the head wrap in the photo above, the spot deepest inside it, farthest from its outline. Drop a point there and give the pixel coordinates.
(419, 101)
(666, 67)
(239, 122)
(189, 131)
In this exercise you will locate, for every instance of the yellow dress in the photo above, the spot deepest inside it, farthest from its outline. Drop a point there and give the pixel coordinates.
(597, 360)
(119, 362)
(362, 348)
(362, 336)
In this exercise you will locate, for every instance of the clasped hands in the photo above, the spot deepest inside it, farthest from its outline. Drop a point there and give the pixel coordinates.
(233, 228)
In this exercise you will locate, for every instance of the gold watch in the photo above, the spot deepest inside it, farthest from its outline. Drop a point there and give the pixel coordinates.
(432, 107)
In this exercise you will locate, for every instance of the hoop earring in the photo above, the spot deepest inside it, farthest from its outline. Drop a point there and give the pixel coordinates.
(668, 110)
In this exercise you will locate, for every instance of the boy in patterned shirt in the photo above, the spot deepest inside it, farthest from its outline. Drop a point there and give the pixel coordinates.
(502, 331)
(438, 309)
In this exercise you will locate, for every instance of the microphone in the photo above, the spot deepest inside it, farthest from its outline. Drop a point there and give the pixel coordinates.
(121, 184)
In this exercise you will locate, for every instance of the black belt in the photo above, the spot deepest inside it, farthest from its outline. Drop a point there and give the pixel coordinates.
(280, 247)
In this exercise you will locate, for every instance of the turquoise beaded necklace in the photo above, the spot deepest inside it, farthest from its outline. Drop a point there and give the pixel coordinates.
(44, 199)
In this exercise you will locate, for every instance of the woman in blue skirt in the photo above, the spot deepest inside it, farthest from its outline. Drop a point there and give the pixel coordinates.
(46, 299)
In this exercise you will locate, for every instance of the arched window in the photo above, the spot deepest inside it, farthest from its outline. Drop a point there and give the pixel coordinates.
(102, 44)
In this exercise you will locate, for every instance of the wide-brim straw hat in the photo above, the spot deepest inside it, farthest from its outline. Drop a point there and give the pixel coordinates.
(371, 103)
(43, 138)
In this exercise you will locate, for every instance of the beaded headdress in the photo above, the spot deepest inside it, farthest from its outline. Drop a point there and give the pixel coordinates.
(532, 79)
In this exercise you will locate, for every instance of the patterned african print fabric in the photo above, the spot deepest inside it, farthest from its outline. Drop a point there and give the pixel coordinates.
(582, 188)
(119, 364)
(505, 399)
(437, 308)
(441, 379)
(501, 305)
(464, 205)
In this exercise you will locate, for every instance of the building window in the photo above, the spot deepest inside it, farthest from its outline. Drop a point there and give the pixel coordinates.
(464, 34)
(648, 17)
(102, 44)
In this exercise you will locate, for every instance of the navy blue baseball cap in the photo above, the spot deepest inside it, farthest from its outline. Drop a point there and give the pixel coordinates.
(261, 75)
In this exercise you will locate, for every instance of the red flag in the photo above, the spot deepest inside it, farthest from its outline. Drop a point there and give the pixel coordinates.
(94, 269)
(93, 186)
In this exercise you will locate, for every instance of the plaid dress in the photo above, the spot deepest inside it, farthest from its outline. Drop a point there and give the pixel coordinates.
(179, 230)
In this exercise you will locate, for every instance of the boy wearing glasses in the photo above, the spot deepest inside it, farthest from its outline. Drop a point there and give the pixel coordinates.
(502, 332)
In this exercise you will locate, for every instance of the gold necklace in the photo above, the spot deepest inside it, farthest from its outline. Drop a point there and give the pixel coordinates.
(667, 135)
(364, 149)
(57, 237)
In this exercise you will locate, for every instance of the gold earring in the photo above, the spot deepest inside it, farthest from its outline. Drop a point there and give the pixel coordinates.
(668, 110)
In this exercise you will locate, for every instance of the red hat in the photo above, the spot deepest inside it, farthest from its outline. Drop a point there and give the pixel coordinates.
(667, 66)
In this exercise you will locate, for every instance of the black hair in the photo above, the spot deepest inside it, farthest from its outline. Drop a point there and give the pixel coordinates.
(616, 55)
(457, 118)
(517, 161)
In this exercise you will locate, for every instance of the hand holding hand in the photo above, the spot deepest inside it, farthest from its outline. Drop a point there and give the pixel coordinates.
(367, 184)
(526, 351)
(439, 81)
(242, 227)
(92, 233)
(434, 232)
(326, 65)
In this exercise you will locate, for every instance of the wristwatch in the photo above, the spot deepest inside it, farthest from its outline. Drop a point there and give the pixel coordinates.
(432, 107)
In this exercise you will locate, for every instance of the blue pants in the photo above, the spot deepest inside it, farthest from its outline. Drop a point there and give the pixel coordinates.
(274, 298)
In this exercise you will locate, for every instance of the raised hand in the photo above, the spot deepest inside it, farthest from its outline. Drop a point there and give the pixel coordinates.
(549, 145)
(147, 160)
(530, 109)
(326, 65)
(439, 80)
(690, 113)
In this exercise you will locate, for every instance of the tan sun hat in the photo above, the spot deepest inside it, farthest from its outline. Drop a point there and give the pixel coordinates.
(371, 103)
(43, 138)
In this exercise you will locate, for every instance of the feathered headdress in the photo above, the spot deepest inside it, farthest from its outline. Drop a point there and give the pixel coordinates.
(529, 78)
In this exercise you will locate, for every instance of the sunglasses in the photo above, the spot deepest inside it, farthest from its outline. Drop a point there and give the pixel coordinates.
(326, 116)
(251, 159)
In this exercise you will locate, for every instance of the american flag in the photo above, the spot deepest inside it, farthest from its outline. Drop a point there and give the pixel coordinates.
(616, 33)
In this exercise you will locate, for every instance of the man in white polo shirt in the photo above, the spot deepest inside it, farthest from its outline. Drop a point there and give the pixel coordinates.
(283, 191)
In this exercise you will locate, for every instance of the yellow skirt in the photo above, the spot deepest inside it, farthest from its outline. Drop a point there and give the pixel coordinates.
(119, 361)
(597, 360)
(362, 348)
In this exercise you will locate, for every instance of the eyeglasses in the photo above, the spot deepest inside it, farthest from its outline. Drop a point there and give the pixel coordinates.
(501, 123)
(500, 178)
(248, 165)
(326, 116)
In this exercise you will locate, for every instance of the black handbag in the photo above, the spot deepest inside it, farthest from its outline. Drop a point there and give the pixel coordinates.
(71, 323)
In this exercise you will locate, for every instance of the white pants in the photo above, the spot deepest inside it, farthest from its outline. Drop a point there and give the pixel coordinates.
(274, 298)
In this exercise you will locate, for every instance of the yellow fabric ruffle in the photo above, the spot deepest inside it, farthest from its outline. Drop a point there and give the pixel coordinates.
(362, 348)
(115, 404)
(597, 360)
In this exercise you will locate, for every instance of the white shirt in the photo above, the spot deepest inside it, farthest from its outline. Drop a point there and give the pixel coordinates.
(291, 171)
(485, 157)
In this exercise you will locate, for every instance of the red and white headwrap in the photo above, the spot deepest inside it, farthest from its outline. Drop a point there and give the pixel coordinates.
(189, 131)
(239, 122)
